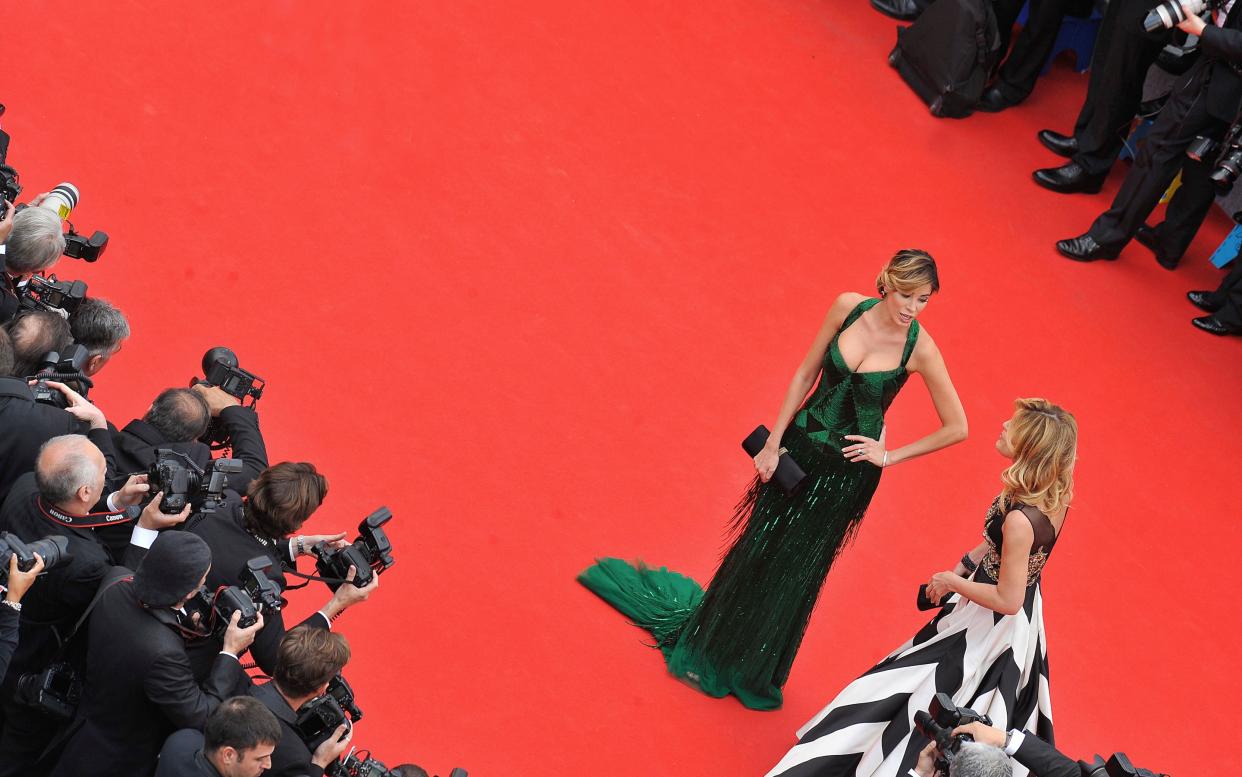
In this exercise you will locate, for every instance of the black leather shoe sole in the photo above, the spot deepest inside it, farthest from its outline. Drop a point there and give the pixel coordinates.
(1059, 144)
(1200, 300)
(1081, 185)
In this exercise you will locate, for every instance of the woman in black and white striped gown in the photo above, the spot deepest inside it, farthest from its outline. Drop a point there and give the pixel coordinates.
(986, 648)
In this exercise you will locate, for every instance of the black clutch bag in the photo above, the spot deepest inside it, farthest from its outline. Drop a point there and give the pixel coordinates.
(789, 476)
(924, 603)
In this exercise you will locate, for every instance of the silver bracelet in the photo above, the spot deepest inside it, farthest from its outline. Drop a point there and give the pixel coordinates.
(884, 463)
(15, 605)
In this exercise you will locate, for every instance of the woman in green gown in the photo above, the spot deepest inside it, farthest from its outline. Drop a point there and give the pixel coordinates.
(741, 634)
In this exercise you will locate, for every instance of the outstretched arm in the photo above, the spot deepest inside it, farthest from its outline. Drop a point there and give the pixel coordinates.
(803, 381)
(1007, 596)
(927, 361)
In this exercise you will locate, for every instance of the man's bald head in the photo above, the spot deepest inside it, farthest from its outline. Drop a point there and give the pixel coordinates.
(34, 334)
(70, 472)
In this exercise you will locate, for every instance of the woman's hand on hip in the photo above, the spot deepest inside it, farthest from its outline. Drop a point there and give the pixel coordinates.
(864, 449)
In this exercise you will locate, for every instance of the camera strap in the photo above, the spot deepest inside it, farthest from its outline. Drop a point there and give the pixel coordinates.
(88, 521)
(64, 641)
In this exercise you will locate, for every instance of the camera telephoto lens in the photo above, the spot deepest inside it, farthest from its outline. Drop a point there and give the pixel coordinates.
(1169, 14)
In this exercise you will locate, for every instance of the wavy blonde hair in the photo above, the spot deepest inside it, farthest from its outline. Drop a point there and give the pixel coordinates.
(909, 269)
(1045, 444)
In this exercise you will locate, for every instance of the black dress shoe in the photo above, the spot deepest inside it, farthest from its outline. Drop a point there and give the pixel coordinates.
(1213, 325)
(993, 101)
(1148, 237)
(1061, 145)
(1084, 249)
(1069, 178)
(1202, 300)
(901, 10)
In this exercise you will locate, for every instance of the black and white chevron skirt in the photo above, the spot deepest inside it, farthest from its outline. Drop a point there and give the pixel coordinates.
(992, 663)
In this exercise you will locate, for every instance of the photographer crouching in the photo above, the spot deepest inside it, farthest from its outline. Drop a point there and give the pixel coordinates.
(966, 744)
(264, 524)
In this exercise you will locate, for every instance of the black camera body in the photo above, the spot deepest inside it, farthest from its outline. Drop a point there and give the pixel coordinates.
(220, 369)
(54, 550)
(88, 249)
(321, 716)
(184, 482)
(50, 293)
(369, 555)
(258, 584)
(56, 691)
(65, 367)
(353, 766)
(1118, 765)
(215, 610)
(938, 722)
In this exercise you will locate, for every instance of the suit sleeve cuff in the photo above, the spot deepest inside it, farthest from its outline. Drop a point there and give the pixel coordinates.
(230, 655)
(1014, 741)
(913, 773)
(327, 622)
(143, 537)
(112, 502)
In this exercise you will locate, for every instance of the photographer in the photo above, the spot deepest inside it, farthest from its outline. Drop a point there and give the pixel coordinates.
(276, 505)
(101, 328)
(138, 685)
(237, 741)
(28, 424)
(1204, 102)
(34, 334)
(972, 760)
(306, 661)
(1041, 758)
(34, 244)
(178, 418)
(60, 499)
(11, 607)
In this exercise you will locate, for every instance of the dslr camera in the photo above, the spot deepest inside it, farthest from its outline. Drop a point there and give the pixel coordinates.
(369, 555)
(56, 691)
(64, 367)
(184, 482)
(54, 550)
(56, 296)
(937, 724)
(1169, 13)
(321, 716)
(1118, 765)
(257, 593)
(1227, 154)
(220, 369)
(363, 764)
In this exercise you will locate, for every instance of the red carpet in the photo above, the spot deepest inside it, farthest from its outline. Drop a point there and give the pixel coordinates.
(527, 273)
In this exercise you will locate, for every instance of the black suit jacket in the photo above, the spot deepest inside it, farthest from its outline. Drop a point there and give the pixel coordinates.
(231, 547)
(136, 444)
(1043, 759)
(1222, 56)
(138, 689)
(26, 426)
(58, 599)
(182, 756)
(8, 636)
(291, 758)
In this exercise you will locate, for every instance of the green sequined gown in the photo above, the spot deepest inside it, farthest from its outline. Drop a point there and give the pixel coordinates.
(741, 634)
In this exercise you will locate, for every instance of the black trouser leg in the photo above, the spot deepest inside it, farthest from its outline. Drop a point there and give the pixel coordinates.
(1006, 14)
(26, 734)
(1031, 49)
(1189, 206)
(1119, 67)
(1229, 296)
(1183, 118)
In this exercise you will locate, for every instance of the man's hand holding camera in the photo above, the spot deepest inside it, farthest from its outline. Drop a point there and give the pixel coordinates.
(79, 407)
(155, 519)
(348, 595)
(217, 399)
(333, 747)
(237, 640)
(19, 581)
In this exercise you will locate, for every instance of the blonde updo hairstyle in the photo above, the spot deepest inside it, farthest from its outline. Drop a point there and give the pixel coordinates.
(909, 269)
(1045, 445)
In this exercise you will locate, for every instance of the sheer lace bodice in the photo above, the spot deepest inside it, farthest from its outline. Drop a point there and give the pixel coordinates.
(1041, 545)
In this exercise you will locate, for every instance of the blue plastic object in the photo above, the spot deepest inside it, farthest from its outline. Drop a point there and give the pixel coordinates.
(1136, 139)
(1229, 247)
(1076, 34)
